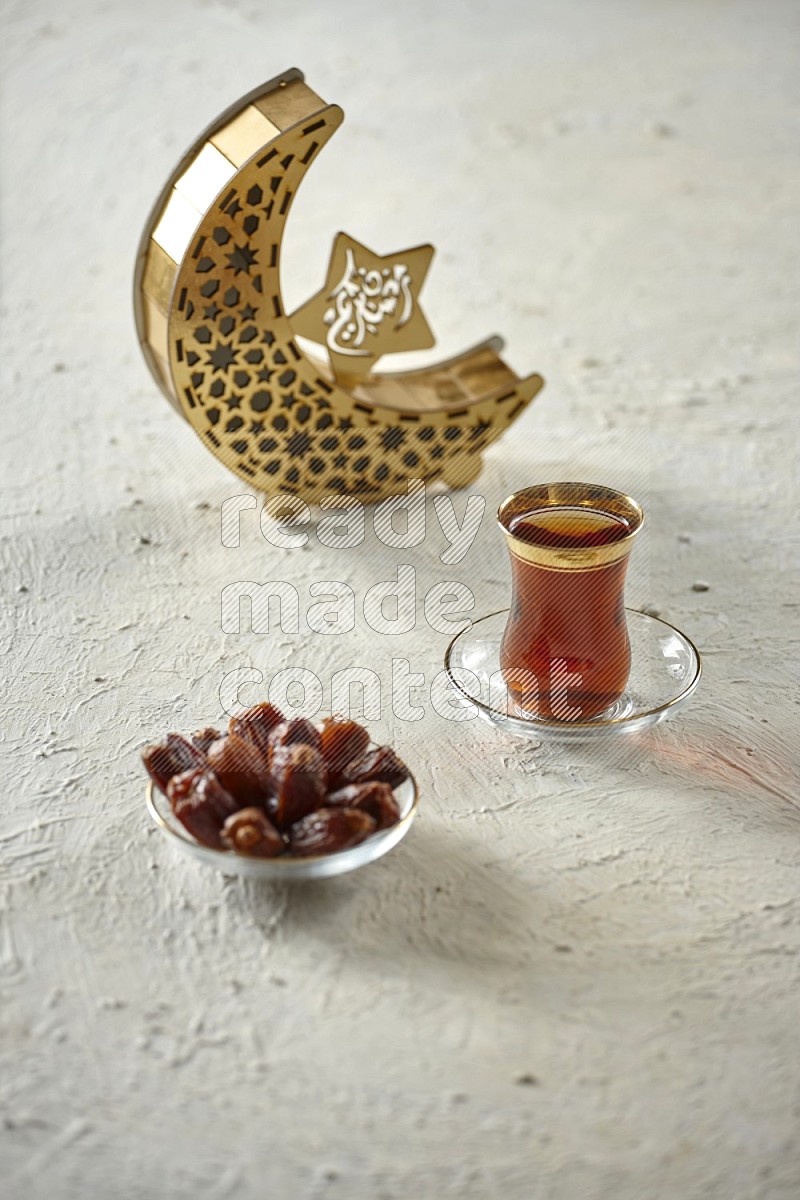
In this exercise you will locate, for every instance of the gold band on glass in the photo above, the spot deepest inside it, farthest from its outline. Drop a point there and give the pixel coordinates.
(588, 496)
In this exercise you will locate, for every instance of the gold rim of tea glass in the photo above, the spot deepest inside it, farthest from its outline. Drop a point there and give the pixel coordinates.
(593, 496)
(280, 860)
(593, 722)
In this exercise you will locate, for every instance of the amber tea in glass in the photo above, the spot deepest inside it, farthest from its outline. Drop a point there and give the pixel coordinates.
(565, 653)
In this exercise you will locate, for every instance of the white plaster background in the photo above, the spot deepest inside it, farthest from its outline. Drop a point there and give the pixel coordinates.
(614, 186)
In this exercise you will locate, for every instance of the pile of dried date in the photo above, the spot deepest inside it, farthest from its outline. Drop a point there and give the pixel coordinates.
(274, 786)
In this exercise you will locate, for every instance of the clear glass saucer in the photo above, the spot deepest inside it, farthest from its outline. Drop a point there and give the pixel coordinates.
(285, 868)
(665, 670)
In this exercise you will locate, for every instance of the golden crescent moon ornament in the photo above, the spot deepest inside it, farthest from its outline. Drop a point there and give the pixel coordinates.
(215, 334)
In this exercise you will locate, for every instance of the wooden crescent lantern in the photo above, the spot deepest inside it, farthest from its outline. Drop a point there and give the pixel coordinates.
(214, 332)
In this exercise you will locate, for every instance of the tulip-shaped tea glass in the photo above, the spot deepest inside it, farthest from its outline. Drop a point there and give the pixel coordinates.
(565, 653)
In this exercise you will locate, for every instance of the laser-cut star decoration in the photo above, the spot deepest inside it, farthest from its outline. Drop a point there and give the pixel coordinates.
(241, 258)
(368, 307)
(221, 357)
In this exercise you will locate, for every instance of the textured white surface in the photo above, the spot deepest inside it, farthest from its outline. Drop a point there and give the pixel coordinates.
(578, 977)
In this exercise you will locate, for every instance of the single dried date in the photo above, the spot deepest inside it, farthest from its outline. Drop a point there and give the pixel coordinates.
(241, 768)
(380, 765)
(201, 804)
(328, 830)
(376, 799)
(204, 737)
(342, 741)
(249, 832)
(298, 783)
(171, 757)
(256, 724)
(296, 731)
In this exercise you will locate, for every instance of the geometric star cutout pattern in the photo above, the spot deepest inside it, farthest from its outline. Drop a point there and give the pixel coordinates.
(222, 356)
(368, 306)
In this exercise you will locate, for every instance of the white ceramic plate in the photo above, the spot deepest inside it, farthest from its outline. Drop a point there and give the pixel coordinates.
(285, 867)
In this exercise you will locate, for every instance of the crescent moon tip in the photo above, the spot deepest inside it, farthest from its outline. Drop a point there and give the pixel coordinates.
(531, 385)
